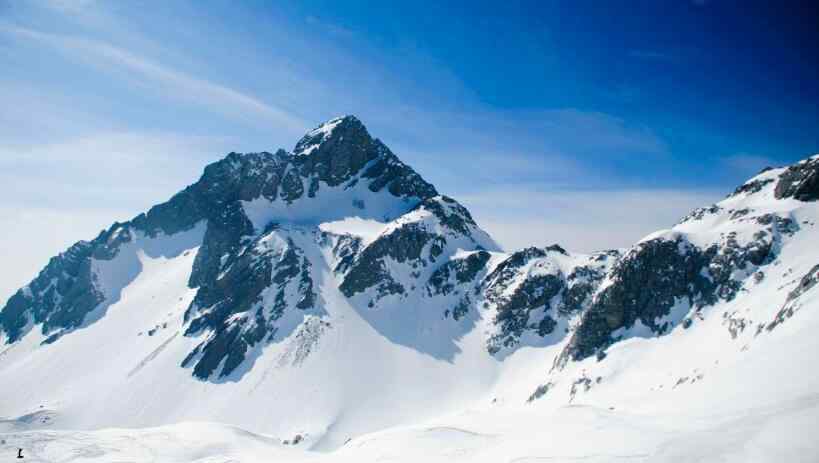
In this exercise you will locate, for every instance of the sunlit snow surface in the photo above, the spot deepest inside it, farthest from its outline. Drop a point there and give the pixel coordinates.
(696, 394)
(366, 229)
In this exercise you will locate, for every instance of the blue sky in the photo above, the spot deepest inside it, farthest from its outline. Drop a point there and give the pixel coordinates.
(586, 123)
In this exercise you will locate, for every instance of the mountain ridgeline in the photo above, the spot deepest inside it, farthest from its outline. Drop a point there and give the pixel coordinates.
(282, 240)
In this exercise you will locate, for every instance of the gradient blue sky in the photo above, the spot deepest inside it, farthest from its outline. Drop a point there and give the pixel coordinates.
(585, 123)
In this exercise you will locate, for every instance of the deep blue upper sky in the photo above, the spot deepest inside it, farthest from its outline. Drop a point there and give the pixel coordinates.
(709, 77)
(589, 123)
(711, 80)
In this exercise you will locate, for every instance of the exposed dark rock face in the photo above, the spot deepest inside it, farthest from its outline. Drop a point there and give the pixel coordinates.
(800, 181)
(222, 238)
(60, 297)
(223, 183)
(451, 215)
(784, 225)
(514, 312)
(699, 213)
(370, 270)
(340, 149)
(65, 291)
(543, 295)
(456, 273)
(507, 270)
(335, 154)
(415, 242)
(754, 186)
(646, 284)
(345, 249)
(581, 284)
(739, 213)
(232, 308)
(459, 276)
(806, 283)
(540, 391)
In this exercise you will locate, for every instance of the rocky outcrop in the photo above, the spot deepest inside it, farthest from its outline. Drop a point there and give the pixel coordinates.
(800, 181)
(516, 313)
(460, 278)
(645, 284)
(59, 298)
(240, 308)
(369, 270)
(457, 272)
(792, 303)
(418, 239)
(341, 150)
(532, 290)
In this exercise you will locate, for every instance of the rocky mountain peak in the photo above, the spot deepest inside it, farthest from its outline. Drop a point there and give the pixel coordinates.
(337, 149)
(341, 151)
(334, 130)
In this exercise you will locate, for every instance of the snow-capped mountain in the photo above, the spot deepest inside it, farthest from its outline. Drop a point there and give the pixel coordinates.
(326, 294)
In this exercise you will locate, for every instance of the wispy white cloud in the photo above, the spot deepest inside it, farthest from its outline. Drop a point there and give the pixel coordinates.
(171, 82)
